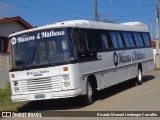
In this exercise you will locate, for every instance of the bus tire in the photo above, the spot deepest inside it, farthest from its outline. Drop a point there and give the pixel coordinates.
(139, 76)
(90, 92)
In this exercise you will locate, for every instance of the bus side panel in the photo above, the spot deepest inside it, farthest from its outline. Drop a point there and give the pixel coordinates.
(147, 66)
(109, 74)
(130, 71)
(87, 68)
(119, 74)
(83, 84)
(73, 72)
(105, 79)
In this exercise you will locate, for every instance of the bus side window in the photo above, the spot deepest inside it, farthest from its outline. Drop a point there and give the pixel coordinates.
(138, 44)
(119, 39)
(131, 39)
(82, 41)
(99, 45)
(105, 41)
(126, 39)
(138, 39)
(114, 40)
(94, 39)
(146, 39)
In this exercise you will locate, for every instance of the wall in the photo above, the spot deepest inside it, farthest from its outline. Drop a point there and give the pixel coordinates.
(4, 67)
(8, 28)
(5, 30)
(154, 52)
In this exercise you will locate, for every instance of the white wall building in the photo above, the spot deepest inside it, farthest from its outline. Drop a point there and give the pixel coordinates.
(154, 48)
(8, 26)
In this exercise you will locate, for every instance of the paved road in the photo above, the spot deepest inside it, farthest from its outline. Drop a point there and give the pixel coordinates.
(122, 97)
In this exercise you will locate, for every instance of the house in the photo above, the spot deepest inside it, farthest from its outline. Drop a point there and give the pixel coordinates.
(7, 26)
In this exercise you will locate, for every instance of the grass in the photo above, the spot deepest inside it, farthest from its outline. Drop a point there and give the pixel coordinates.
(5, 100)
(156, 69)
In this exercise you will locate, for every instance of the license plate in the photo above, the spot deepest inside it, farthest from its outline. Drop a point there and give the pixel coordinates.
(39, 96)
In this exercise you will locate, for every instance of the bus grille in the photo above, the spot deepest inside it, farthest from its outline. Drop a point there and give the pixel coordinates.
(40, 84)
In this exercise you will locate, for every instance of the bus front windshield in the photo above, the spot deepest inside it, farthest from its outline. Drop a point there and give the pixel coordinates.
(45, 47)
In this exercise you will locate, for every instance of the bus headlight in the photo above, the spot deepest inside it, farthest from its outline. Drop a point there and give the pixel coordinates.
(66, 84)
(65, 77)
(15, 83)
(16, 89)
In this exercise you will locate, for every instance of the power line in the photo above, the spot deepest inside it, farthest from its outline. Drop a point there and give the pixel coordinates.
(133, 15)
(119, 4)
(120, 8)
(62, 8)
(40, 10)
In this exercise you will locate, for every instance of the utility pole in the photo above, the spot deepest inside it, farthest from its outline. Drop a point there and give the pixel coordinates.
(151, 32)
(157, 56)
(95, 11)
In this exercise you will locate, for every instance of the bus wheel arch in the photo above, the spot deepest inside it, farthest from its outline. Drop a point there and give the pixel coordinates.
(140, 66)
(90, 89)
(92, 78)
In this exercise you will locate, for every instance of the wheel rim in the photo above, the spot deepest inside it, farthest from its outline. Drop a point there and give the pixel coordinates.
(139, 75)
(90, 92)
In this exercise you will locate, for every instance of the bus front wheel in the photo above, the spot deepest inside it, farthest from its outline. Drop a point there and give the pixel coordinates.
(89, 96)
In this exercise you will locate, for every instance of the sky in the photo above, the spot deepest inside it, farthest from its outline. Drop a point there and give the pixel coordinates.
(43, 12)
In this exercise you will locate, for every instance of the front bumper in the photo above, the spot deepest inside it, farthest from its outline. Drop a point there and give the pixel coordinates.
(48, 95)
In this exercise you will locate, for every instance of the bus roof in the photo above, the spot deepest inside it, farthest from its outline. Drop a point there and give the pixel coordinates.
(129, 26)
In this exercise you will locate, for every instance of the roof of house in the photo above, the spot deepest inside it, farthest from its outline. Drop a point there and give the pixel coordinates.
(17, 19)
(154, 43)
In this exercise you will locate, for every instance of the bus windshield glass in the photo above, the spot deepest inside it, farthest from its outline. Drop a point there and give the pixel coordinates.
(44, 47)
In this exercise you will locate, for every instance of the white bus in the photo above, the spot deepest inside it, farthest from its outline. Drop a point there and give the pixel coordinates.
(78, 57)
